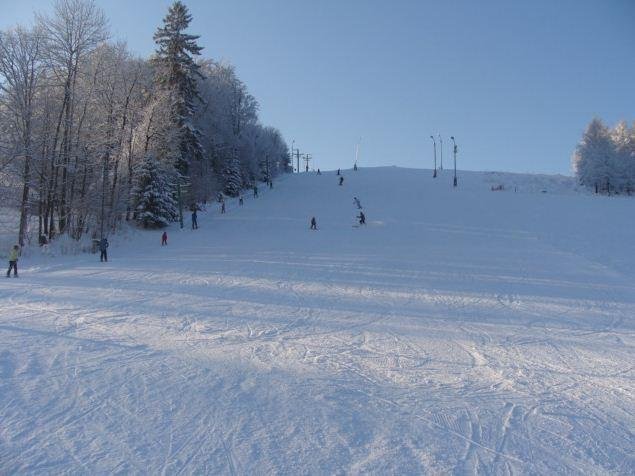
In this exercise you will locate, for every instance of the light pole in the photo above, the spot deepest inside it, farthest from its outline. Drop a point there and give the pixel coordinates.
(455, 151)
(292, 144)
(441, 147)
(434, 175)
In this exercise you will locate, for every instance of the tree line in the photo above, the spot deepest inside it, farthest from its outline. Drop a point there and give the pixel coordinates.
(604, 160)
(92, 136)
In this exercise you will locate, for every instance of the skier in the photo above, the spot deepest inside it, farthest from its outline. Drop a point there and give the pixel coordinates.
(255, 191)
(313, 224)
(270, 183)
(341, 180)
(103, 248)
(164, 238)
(13, 261)
(318, 172)
(362, 218)
(194, 220)
(357, 203)
(355, 167)
(338, 172)
(240, 200)
(222, 207)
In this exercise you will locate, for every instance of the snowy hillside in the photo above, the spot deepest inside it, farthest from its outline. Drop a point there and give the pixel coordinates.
(461, 330)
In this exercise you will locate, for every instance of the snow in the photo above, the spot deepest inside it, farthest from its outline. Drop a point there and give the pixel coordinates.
(462, 330)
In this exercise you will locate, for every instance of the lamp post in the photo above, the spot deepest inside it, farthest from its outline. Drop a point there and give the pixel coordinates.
(434, 143)
(441, 147)
(455, 151)
(292, 144)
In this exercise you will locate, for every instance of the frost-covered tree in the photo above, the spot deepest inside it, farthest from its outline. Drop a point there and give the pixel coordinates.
(153, 194)
(593, 155)
(177, 73)
(232, 176)
(604, 158)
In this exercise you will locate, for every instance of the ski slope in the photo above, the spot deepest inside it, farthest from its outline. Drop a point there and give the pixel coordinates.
(461, 331)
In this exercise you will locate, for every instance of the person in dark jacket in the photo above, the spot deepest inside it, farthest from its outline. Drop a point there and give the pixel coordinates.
(222, 207)
(194, 220)
(103, 248)
(362, 218)
(164, 238)
(341, 180)
(255, 191)
(240, 201)
(313, 224)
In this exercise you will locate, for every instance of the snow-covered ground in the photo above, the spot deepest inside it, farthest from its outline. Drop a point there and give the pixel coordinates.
(462, 330)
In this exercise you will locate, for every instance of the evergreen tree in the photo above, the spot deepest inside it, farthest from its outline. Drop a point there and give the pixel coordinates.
(176, 73)
(153, 194)
(232, 176)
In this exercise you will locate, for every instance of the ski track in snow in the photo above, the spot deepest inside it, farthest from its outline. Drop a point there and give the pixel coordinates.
(461, 331)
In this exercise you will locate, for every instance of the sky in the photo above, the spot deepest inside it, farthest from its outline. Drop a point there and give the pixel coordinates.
(515, 82)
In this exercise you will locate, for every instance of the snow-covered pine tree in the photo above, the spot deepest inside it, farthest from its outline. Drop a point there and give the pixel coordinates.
(153, 194)
(177, 73)
(623, 178)
(593, 156)
(232, 176)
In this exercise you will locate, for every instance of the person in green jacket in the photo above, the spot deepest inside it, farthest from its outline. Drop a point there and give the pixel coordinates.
(13, 261)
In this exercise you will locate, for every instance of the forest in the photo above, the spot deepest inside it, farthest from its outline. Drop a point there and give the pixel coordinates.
(92, 136)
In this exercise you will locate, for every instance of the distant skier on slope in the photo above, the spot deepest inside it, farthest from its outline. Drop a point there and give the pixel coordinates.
(338, 172)
(357, 203)
(14, 254)
(313, 224)
(362, 218)
(240, 201)
(103, 248)
(164, 238)
(255, 191)
(341, 180)
(194, 220)
(318, 172)
(222, 207)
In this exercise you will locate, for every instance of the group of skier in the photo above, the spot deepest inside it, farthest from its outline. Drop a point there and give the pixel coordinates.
(361, 217)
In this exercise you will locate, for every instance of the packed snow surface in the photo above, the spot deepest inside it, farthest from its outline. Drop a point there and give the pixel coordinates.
(461, 330)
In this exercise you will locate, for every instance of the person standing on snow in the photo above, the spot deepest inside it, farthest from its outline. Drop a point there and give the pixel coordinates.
(14, 254)
(362, 218)
(338, 172)
(357, 203)
(222, 207)
(341, 180)
(318, 172)
(313, 224)
(164, 238)
(255, 191)
(103, 248)
(240, 201)
(194, 220)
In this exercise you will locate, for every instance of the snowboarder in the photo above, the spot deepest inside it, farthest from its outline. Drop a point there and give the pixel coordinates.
(240, 201)
(357, 203)
(14, 254)
(222, 207)
(103, 248)
(341, 180)
(255, 191)
(164, 238)
(313, 224)
(362, 218)
(194, 220)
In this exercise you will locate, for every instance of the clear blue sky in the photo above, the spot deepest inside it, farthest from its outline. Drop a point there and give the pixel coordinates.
(515, 82)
